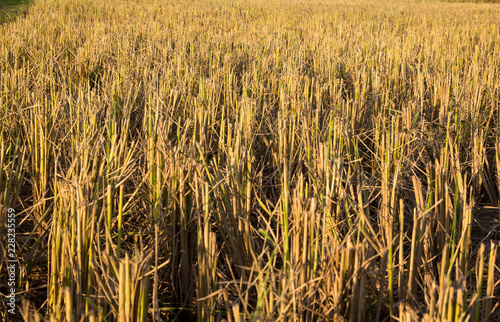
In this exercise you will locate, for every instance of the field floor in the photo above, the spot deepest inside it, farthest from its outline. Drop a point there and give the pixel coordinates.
(250, 161)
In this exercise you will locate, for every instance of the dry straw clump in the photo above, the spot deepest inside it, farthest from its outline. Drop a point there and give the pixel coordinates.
(235, 160)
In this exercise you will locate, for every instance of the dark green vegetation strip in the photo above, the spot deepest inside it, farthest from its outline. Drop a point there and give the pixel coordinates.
(9, 9)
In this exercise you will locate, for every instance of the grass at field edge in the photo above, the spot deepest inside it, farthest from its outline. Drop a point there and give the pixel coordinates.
(9, 9)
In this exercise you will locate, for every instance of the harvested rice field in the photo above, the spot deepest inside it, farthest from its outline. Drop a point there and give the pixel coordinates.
(250, 161)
